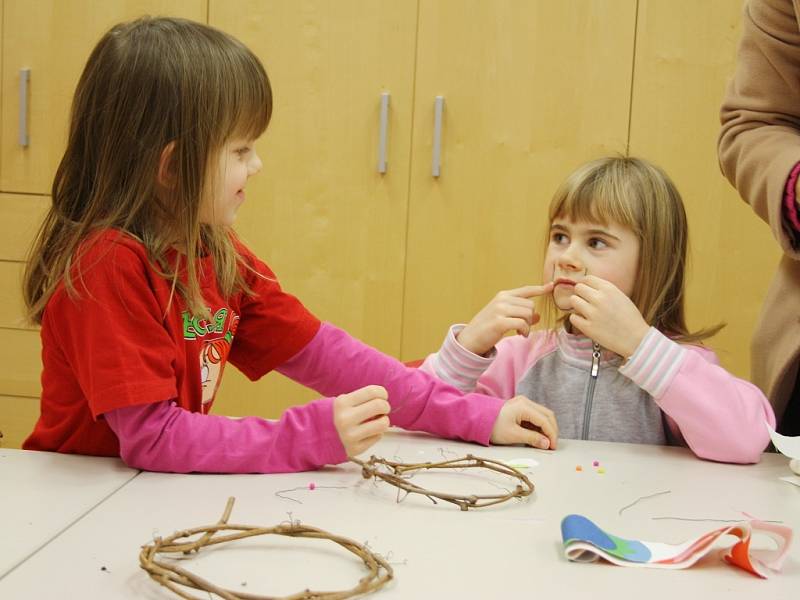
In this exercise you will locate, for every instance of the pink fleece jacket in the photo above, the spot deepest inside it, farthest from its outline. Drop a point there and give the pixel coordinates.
(719, 416)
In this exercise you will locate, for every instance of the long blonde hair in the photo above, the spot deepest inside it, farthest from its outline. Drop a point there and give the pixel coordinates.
(147, 84)
(635, 194)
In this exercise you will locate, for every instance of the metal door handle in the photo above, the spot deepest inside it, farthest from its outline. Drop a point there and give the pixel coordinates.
(24, 79)
(438, 108)
(383, 136)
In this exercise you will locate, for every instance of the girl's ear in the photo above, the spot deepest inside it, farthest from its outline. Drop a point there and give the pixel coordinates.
(166, 170)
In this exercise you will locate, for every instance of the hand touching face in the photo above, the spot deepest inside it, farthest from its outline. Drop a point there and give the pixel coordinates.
(609, 251)
(511, 310)
(601, 311)
(593, 267)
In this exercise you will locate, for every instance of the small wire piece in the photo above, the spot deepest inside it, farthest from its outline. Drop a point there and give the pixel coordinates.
(627, 506)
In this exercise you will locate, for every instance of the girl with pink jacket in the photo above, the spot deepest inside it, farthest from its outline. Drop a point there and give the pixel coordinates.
(617, 361)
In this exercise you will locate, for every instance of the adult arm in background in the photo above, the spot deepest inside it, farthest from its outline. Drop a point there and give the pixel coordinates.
(759, 145)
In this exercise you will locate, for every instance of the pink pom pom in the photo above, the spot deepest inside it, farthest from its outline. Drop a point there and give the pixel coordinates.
(312, 485)
(595, 463)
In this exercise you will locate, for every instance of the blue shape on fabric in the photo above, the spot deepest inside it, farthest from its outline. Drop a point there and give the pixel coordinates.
(578, 527)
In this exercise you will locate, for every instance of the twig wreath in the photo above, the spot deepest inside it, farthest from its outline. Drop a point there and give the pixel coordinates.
(396, 476)
(176, 578)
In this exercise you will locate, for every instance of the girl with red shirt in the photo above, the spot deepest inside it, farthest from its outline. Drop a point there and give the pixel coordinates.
(144, 293)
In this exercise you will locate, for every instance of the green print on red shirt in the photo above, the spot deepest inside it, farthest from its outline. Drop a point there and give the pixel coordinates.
(213, 351)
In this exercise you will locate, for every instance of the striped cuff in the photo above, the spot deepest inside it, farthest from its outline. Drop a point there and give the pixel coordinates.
(655, 363)
(457, 366)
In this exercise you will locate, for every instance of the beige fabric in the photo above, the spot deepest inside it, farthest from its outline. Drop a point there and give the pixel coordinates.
(758, 147)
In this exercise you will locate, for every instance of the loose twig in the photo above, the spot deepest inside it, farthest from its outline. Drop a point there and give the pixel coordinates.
(372, 468)
(177, 579)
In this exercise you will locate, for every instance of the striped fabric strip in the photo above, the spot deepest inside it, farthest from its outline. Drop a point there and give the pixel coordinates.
(655, 363)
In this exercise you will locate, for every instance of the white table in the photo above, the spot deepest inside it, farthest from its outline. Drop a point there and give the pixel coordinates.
(509, 550)
(44, 493)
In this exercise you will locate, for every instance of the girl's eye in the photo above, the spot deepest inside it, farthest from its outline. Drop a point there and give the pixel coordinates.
(559, 238)
(243, 151)
(597, 243)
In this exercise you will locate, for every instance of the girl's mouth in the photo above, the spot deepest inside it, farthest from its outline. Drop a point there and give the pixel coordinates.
(564, 281)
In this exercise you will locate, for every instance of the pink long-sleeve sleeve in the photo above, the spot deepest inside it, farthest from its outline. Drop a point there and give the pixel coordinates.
(165, 437)
(721, 417)
(335, 363)
(495, 374)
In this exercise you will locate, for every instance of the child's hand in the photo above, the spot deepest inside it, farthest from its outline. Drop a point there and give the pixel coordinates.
(512, 309)
(360, 418)
(605, 314)
(522, 421)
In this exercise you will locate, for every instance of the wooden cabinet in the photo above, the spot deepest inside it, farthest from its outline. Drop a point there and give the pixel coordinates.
(685, 54)
(320, 214)
(52, 40)
(531, 90)
(335, 230)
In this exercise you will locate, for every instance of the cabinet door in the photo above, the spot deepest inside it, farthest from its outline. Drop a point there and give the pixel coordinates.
(331, 227)
(685, 55)
(531, 90)
(53, 39)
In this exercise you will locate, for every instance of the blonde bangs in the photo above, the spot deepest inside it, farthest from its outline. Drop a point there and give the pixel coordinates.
(597, 192)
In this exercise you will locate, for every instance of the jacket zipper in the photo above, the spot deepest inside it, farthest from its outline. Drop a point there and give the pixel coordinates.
(587, 416)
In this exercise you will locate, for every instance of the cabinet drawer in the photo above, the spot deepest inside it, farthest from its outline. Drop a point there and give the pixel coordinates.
(12, 310)
(17, 418)
(20, 355)
(21, 217)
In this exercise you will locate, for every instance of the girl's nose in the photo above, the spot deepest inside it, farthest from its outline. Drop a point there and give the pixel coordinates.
(569, 260)
(255, 164)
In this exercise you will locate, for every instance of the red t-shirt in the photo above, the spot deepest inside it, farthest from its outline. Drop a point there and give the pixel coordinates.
(121, 343)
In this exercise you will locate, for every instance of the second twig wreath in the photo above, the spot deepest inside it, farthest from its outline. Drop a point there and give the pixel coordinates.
(393, 473)
(179, 580)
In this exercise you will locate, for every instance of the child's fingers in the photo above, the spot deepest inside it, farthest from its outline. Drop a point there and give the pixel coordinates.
(587, 292)
(364, 395)
(593, 282)
(536, 417)
(537, 420)
(520, 325)
(580, 305)
(531, 291)
(371, 428)
(367, 411)
(524, 311)
(580, 322)
(354, 434)
(520, 302)
(534, 439)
